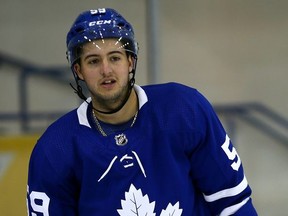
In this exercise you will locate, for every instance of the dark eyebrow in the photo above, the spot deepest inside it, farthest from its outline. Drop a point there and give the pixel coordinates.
(116, 52)
(89, 56)
(110, 53)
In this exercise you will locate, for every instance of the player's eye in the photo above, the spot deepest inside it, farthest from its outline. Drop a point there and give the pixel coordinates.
(93, 61)
(115, 58)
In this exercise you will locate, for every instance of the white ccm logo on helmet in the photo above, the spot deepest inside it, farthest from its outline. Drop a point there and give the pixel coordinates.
(100, 22)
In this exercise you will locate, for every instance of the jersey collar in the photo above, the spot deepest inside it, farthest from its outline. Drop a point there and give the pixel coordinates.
(82, 109)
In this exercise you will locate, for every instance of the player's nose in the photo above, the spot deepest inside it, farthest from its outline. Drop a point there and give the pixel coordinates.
(106, 67)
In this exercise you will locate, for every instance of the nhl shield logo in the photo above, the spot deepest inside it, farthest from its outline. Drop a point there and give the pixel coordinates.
(121, 139)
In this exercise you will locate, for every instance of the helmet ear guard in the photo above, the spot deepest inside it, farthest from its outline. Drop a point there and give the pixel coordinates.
(133, 71)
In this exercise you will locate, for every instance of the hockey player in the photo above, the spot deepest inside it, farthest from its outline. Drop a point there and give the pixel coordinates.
(129, 150)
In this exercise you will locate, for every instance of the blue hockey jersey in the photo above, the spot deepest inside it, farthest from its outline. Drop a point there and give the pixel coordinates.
(177, 160)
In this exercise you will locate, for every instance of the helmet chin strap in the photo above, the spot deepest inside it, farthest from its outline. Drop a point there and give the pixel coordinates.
(78, 89)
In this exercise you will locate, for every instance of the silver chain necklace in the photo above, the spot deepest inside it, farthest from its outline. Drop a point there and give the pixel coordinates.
(100, 129)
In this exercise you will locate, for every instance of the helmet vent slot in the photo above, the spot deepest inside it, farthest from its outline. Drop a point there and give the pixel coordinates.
(79, 29)
(121, 25)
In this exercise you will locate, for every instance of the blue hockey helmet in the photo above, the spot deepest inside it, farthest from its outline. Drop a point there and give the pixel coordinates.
(99, 24)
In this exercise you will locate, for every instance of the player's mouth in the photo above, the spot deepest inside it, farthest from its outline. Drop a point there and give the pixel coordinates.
(108, 83)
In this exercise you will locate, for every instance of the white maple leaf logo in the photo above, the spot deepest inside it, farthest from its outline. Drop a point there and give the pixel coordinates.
(172, 210)
(135, 204)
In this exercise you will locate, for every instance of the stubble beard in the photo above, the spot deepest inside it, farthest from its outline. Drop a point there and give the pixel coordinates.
(112, 101)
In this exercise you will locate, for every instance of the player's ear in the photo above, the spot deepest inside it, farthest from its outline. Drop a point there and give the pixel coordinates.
(131, 63)
(77, 69)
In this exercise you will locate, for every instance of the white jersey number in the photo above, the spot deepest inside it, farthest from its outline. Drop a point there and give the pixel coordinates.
(39, 202)
(231, 154)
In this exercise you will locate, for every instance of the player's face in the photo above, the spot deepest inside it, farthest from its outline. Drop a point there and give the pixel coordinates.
(105, 66)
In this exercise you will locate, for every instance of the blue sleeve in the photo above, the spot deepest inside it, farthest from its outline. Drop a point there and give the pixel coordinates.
(216, 166)
(49, 191)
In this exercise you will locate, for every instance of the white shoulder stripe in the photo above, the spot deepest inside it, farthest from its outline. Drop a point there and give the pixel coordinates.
(232, 209)
(227, 192)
